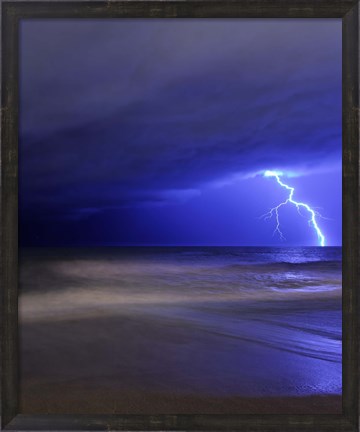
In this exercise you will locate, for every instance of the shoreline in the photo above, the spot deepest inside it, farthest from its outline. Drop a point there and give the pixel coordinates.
(187, 334)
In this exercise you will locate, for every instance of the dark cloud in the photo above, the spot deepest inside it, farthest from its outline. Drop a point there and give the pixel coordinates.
(132, 112)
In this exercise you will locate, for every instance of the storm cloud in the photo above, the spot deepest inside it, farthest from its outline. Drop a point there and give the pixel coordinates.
(133, 113)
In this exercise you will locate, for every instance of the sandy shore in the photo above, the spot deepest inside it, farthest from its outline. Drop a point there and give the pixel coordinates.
(61, 399)
(76, 367)
(143, 335)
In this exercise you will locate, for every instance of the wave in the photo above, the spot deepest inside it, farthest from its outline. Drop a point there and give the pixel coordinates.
(310, 263)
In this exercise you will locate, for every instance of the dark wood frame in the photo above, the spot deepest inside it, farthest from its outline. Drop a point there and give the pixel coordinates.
(12, 12)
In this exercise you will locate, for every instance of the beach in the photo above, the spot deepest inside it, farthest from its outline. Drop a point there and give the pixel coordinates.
(180, 330)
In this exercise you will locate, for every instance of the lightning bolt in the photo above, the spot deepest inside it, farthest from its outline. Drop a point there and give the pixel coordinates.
(299, 205)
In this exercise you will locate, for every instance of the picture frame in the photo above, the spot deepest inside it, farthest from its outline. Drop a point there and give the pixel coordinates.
(12, 13)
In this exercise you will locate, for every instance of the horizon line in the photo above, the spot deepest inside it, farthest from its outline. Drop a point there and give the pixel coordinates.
(171, 245)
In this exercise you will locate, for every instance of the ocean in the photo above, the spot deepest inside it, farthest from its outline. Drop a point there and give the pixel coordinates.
(170, 325)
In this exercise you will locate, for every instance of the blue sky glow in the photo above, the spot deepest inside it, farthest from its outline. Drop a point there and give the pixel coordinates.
(160, 131)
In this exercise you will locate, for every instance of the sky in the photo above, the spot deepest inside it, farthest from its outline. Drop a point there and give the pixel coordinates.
(159, 131)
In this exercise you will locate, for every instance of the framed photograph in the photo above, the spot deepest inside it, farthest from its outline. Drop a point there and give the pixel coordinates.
(180, 215)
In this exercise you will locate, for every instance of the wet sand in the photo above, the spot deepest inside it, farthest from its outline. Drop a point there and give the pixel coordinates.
(100, 337)
(101, 400)
(74, 366)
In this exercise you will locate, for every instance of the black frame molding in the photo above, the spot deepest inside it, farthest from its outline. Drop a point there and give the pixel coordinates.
(12, 13)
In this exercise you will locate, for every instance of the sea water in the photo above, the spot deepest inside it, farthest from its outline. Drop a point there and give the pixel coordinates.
(247, 321)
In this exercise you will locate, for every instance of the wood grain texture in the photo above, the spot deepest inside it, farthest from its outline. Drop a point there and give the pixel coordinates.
(11, 13)
(186, 9)
(249, 423)
(350, 194)
(9, 205)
